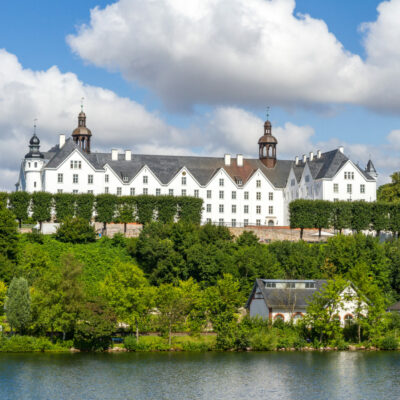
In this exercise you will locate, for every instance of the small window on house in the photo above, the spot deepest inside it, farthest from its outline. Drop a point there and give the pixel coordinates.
(132, 191)
(290, 285)
(208, 194)
(221, 194)
(145, 191)
(258, 222)
(208, 207)
(183, 192)
(270, 210)
(246, 209)
(145, 179)
(246, 195)
(307, 178)
(75, 178)
(208, 220)
(183, 180)
(246, 222)
(59, 190)
(362, 188)
(196, 192)
(125, 179)
(79, 164)
(106, 190)
(258, 196)
(270, 285)
(158, 192)
(221, 182)
(119, 191)
(258, 183)
(90, 179)
(221, 208)
(335, 188)
(271, 196)
(75, 191)
(90, 191)
(310, 285)
(258, 209)
(233, 208)
(106, 178)
(233, 223)
(292, 182)
(60, 178)
(34, 184)
(171, 192)
(221, 222)
(35, 164)
(233, 194)
(348, 320)
(349, 188)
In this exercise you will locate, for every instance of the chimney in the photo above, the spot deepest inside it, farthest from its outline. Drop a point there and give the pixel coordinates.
(341, 149)
(227, 159)
(304, 158)
(128, 155)
(311, 156)
(62, 140)
(114, 155)
(296, 160)
(239, 160)
(318, 153)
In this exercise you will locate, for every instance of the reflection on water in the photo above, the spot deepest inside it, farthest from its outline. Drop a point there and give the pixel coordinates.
(343, 375)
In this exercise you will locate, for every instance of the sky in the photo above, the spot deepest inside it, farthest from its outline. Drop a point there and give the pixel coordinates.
(196, 77)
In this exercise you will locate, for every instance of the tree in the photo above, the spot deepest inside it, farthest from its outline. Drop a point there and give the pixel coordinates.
(105, 208)
(361, 215)
(302, 215)
(3, 293)
(19, 205)
(18, 305)
(128, 293)
(3, 199)
(166, 209)
(322, 215)
(380, 212)
(126, 209)
(391, 191)
(64, 206)
(94, 327)
(8, 234)
(41, 207)
(341, 215)
(76, 230)
(84, 206)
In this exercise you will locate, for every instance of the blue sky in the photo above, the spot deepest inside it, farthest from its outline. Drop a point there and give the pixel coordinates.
(36, 33)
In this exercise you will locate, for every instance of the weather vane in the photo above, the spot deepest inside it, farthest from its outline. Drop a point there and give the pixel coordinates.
(34, 126)
(267, 113)
(82, 98)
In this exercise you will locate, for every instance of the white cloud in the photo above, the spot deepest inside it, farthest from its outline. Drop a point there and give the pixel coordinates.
(247, 52)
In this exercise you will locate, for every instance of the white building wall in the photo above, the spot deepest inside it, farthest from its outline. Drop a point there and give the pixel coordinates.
(33, 174)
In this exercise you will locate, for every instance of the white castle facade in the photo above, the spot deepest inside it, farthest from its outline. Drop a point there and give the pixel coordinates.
(237, 191)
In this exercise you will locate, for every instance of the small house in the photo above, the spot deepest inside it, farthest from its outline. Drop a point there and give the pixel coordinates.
(288, 299)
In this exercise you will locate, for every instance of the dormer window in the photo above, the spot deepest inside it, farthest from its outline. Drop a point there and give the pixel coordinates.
(270, 285)
(125, 179)
(310, 285)
(238, 180)
(290, 285)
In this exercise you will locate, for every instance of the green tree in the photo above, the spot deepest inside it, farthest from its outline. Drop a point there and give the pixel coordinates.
(341, 215)
(8, 234)
(322, 215)
(3, 293)
(94, 327)
(76, 230)
(391, 191)
(18, 305)
(105, 208)
(3, 199)
(64, 206)
(361, 215)
(126, 210)
(166, 209)
(41, 207)
(84, 206)
(302, 215)
(19, 205)
(128, 293)
(380, 216)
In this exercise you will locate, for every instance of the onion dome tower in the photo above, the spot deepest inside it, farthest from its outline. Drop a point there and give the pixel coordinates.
(33, 164)
(81, 134)
(267, 146)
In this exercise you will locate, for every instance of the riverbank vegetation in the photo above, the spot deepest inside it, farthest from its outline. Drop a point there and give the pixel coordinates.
(67, 290)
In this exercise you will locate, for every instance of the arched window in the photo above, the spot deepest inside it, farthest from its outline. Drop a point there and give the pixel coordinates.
(348, 320)
(336, 318)
(297, 317)
(279, 317)
(270, 222)
(35, 164)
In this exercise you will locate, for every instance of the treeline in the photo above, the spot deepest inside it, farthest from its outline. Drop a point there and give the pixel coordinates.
(355, 215)
(42, 207)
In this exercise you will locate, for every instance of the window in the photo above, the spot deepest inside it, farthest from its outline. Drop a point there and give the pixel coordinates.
(349, 188)
(246, 195)
(349, 175)
(258, 196)
(307, 178)
(71, 164)
(119, 191)
(292, 182)
(75, 191)
(221, 182)
(258, 209)
(171, 192)
(183, 180)
(270, 285)
(208, 207)
(106, 178)
(221, 194)
(246, 209)
(34, 184)
(79, 164)
(233, 208)
(258, 222)
(196, 193)
(233, 194)
(362, 188)
(246, 222)
(132, 191)
(270, 210)
(183, 192)
(35, 164)
(221, 222)
(348, 320)
(59, 190)
(75, 178)
(106, 190)
(290, 285)
(335, 188)
(29, 164)
(60, 178)
(310, 285)
(208, 220)
(145, 191)
(221, 208)
(125, 179)
(90, 191)
(233, 223)
(271, 196)
(258, 183)
(90, 179)
(208, 194)
(145, 179)
(158, 192)
(76, 164)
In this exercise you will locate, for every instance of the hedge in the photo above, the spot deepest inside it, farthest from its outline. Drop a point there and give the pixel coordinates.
(355, 215)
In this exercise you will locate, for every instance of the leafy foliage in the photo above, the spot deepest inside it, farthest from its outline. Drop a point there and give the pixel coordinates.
(76, 230)
(18, 304)
(41, 206)
(19, 205)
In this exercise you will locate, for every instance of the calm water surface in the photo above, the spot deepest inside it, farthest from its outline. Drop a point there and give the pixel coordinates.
(138, 376)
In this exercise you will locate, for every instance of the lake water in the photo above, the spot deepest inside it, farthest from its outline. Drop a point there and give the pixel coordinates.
(341, 375)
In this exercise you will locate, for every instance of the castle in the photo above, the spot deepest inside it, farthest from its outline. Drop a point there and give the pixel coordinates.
(237, 191)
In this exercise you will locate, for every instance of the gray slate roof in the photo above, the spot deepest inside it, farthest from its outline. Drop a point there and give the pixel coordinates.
(285, 298)
(202, 168)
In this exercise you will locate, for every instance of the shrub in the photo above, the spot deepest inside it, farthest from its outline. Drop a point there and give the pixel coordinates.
(76, 230)
(263, 341)
(23, 344)
(389, 342)
(146, 343)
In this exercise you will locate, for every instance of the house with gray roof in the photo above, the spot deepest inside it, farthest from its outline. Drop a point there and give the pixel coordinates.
(236, 190)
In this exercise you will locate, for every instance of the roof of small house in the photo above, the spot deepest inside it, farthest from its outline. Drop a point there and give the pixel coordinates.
(394, 307)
